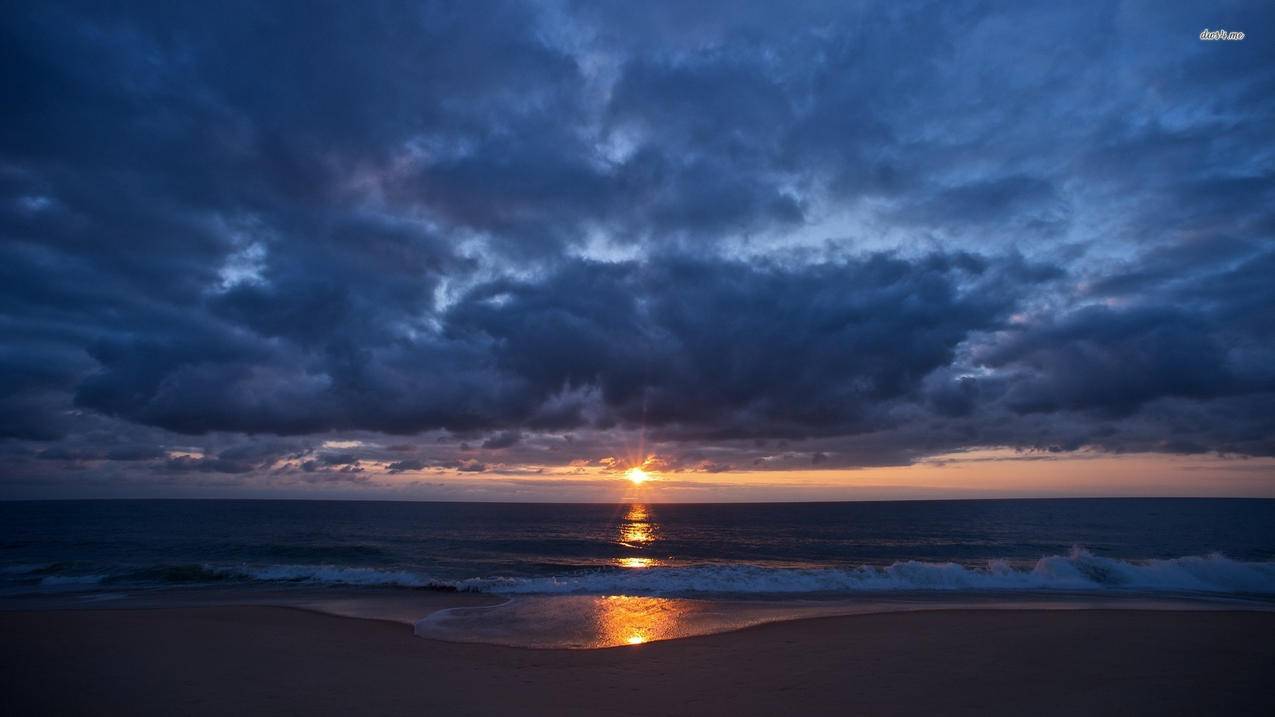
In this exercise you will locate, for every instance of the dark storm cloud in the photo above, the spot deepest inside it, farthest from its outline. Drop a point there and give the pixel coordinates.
(673, 340)
(123, 453)
(410, 464)
(504, 439)
(887, 231)
(735, 349)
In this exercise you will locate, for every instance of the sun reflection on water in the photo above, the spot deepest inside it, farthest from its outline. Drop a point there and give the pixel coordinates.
(637, 531)
(593, 621)
(631, 620)
(637, 528)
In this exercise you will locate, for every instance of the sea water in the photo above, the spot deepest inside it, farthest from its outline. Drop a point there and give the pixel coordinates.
(596, 575)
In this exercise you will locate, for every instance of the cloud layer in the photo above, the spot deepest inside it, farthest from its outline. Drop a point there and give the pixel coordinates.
(470, 236)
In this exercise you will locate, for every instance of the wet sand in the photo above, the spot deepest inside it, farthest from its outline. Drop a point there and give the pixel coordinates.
(270, 660)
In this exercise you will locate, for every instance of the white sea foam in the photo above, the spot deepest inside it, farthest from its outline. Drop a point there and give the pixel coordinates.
(336, 575)
(62, 581)
(1078, 571)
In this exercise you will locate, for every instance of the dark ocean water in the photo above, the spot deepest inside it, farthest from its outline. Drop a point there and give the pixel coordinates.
(1217, 546)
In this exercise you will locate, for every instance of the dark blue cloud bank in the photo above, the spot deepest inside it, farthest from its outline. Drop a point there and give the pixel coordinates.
(454, 236)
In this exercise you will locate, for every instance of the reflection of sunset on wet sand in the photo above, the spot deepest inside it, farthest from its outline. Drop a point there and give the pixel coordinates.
(593, 621)
(575, 621)
(629, 620)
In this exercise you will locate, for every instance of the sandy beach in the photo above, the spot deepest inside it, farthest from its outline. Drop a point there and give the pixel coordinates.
(270, 660)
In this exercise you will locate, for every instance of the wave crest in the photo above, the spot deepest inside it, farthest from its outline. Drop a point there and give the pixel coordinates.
(1080, 570)
(336, 575)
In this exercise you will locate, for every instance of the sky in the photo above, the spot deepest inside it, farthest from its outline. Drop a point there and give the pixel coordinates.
(762, 251)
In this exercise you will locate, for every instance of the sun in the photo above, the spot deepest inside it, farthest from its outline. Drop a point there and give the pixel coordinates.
(637, 476)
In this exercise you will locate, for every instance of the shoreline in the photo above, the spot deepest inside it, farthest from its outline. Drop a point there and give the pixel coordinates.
(585, 622)
(590, 621)
(258, 659)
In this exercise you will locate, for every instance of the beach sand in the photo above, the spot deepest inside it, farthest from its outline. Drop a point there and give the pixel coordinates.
(270, 660)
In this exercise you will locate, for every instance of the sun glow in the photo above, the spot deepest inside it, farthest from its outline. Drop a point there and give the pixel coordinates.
(637, 476)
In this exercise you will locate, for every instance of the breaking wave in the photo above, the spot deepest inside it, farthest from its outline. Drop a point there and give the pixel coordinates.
(70, 581)
(1078, 571)
(336, 575)
(57, 576)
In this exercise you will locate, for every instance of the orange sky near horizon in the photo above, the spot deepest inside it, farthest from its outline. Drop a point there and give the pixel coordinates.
(1000, 473)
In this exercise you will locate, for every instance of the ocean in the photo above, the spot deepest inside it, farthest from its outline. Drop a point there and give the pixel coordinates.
(781, 549)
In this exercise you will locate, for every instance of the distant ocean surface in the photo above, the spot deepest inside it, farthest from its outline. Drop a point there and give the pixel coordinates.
(781, 549)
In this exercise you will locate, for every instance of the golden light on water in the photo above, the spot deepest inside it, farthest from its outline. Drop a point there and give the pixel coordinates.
(637, 513)
(637, 529)
(636, 532)
(631, 620)
(628, 620)
(592, 621)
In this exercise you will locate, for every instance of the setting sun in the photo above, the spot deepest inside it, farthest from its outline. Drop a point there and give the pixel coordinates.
(637, 476)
